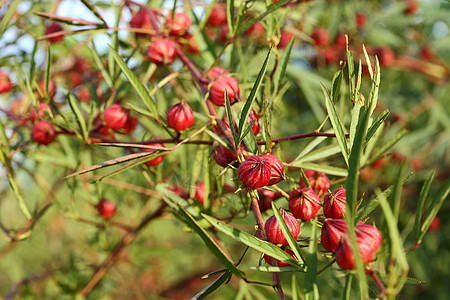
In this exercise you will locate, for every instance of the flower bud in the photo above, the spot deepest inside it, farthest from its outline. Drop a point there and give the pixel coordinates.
(178, 25)
(115, 116)
(268, 259)
(5, 83)
(157, 160)
(255, 172)
(273, 230)
(334, 204)
(142, 20)
(321, 37)
(161, 52)
(52, 28)
(331, 233)
(345, 256)
(218, 87)
(41, 111)
(318, 180)
(224, 156)
(304, 203)
(218, 15)
(41, 91)
(106, 209)
(200, 192)
(369, 235)
(43, 132)
(180, 116)
(276, 168)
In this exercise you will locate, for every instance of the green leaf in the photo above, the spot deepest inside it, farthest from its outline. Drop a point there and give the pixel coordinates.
(351, 72)
(281, 70)
(321, 153)
(136, 83)
(226, 276)
(230, 15)
(210, 243)
(94, 11)
(336, 84)
(311, 290)
(397, 193)
(8, 15)
(322, 168)
(354, 122)
(288, 235)
(78, 115)
(100, 65)
(384, 148)
(231, 120)
(47, 74)
(421, 203)
(348, 287)
(336, 123)
(253, 242)
(380, 119)
(369, 65)
(251, 98)
(275, 269)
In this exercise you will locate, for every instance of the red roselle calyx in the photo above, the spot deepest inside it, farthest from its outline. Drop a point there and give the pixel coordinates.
(157, 160)
(216, 72)
(265, 199)
(253, 116)
(180, 116)
(321, 37)
(200, 192)
(268, 259)
(106, 209)
(161, 52)
(179, 24)
(218, 15)
(304, 203)
(318, 180)
(273, 230)
(116, 117)
(142, 20)
(5, 83)
(334, 204)
(332, 230)
(218, 87)
(41, 111)
(285, 38)
(255, 172)
(41, 91)
(43, 133)
(345, 256)
(52, 28)
(224, 156)
(276, 167)
(369, 235)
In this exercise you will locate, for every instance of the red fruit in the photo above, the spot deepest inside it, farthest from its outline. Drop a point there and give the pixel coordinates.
(191, 44)
(268, 259)
(386, 56)
(435, 224)
(41, 91)
(223, 34)
(320, 36)
(106, 209)
(5, 83)
(130, 125)
(224, 156)
(360, 20)
(218, 87)
(340, 41)
(369, 235)
(255, 30)
(276, 167)
(416, 163)
(180, 116)
(179, 25)
(200, 192)
(217, 72)
(84, 94)
(266, 198)
(161, 51)
(330, 56)
(43, 133)
(334, 204)
(116, 117)
(378, 164)
(52, 28)
(218, 15)
(285, 38)
(412, 7)
(332, 230)
(255, 172)
(304, 203)
(253, 116)
(318, 180)
(273, 230)
(142, 20)
(156, 161)
(345, 256)
(366, 174)
(41, 111)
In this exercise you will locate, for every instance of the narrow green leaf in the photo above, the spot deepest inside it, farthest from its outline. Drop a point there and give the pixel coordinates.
(358, 81)
(311, 290)
(322, 168)
(8, 15)
(421, 203)
(210, 243)
(388, 145)
(354, 122)
(230, 15)
(296, 291)
(397, 193)
(100, 65)
(251, 98)
(78, 115)
(313, 144)
(140, 89)
(253, 242)
(380, 119)
(48, 73)
(287, 234)
(281, 70)
(305, 179)
(321, 153)
(275, 269)
(369, 65)
(351, 72)
(336, 84)
(231, 120)
(348, 287)
(336, 123)
(213, 286)
(94, 11)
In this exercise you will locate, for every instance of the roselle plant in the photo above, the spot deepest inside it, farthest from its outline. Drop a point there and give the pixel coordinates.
(232, 150)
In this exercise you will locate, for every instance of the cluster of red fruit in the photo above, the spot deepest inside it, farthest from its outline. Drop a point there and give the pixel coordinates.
(304, 204)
